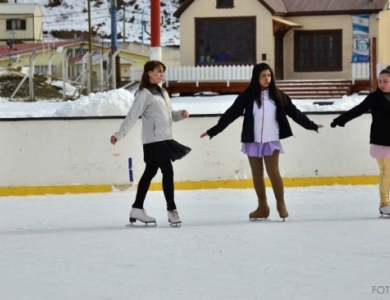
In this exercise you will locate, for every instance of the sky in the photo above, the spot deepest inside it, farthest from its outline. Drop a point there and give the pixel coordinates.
(72, 15)
(61, 247)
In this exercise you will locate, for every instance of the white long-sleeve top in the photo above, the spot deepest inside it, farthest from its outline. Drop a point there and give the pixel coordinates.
(265, 123)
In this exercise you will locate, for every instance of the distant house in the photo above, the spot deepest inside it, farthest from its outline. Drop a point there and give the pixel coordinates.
(300, 39)
(20, 23)
(51, 57)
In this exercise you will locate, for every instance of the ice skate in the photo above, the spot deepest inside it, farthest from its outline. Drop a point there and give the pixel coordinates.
(385, 210)
(261, 213)
(137, 214)
(282, 210)
(173, 218)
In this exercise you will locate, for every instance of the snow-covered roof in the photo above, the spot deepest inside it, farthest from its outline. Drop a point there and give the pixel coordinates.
(9, 8)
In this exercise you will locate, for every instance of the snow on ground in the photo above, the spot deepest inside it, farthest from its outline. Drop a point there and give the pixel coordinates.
(333, 246)
(72, 15)
(118, 102)
(69, 89)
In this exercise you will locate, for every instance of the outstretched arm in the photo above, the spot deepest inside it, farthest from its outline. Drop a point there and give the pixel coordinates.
(300, 118)
(178, 115)
(230, 115)
(136, 110)
(353, 113)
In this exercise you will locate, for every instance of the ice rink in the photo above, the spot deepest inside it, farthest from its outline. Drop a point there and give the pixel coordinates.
(334, 246)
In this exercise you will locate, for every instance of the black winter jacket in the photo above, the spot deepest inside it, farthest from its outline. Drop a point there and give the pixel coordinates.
(244, 104)
(379, 107)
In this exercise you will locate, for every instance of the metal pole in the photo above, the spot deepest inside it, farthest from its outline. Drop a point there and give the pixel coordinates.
(31, 76)
(155, 15)
(89, 88)
(114, 46)
(124, 25)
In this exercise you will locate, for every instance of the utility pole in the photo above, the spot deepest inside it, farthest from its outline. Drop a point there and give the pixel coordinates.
(124, 24)
(114, 44)
(90, 79)
(155, 15)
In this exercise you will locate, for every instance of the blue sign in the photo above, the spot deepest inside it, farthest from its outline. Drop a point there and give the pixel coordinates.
(361, 39)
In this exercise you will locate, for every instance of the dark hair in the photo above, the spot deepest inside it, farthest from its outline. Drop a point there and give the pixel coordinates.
(275, 94)
(149, 66)
(385, 71)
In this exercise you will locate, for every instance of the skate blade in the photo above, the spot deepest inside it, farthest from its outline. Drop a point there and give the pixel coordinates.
(143, 225)
(384, 215)
(174, 224)
(132, 221)
(258, 219)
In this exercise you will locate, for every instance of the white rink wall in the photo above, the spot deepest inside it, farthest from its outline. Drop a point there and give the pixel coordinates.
(78, 152)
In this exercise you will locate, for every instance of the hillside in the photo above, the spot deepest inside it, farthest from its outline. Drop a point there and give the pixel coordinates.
(72, 16)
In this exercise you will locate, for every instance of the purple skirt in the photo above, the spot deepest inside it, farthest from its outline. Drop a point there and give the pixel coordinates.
(261, 149)
(378, 151)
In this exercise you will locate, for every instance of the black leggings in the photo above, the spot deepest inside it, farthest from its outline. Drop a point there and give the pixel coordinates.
(151, 169)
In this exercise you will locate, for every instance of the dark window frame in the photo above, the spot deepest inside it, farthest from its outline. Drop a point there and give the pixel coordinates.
(11, 22)
(225, 3)
(227, 63)
(311, 35)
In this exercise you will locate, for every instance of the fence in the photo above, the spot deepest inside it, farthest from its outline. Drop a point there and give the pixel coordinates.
(28, 166)
(360, 71)
(202, 73)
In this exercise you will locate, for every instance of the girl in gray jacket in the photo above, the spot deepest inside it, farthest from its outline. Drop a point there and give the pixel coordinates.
(153, 104)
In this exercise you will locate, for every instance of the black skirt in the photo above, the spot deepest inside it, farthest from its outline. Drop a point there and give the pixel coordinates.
(164, 150)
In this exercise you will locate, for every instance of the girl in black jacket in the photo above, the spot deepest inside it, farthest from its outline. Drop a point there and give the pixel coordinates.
(265, 123)
(378, 103)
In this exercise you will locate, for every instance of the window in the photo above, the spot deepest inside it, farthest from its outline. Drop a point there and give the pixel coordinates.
(225, 41)
(318, 51)
(16, 24)
(225, 3)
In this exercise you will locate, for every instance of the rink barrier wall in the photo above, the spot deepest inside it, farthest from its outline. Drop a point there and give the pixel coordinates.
(73, 155)
(194, 185)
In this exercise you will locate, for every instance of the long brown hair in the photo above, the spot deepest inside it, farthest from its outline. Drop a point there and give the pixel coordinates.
(385, 71)
(149, 66)
(275, 94)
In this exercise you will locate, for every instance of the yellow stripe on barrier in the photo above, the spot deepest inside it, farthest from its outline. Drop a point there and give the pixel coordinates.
(44, 190)
(288, 182)
(190, 185)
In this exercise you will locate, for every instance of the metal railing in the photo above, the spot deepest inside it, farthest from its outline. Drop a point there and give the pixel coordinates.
(201, 73)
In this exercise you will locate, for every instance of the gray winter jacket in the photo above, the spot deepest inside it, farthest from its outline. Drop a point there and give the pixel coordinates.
(157, 116)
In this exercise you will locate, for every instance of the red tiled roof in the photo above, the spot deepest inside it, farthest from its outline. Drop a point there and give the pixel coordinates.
(19, 49)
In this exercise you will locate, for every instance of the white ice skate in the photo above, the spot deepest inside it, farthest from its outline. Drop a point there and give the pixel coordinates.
(385, 210)
(140, 215)
(173, 218)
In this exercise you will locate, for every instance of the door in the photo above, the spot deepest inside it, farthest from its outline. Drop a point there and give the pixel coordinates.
(279, 54)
